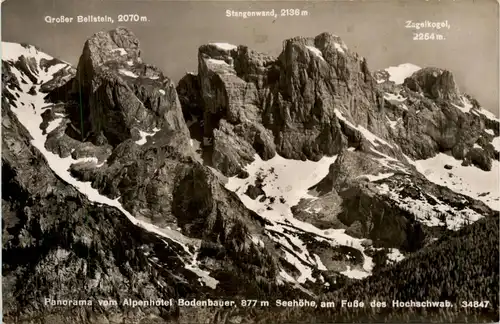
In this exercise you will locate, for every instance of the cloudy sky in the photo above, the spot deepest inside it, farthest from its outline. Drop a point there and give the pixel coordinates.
(373, 28)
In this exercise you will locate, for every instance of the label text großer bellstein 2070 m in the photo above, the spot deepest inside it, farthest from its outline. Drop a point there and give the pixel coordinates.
(86, 19)
(79, 19)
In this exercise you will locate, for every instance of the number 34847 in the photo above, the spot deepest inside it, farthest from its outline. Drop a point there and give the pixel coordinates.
(475, 304)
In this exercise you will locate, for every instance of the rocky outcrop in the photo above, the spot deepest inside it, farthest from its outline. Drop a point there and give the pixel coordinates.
(288, 102)
(435, 83)
(428, 114)
(119, 45)
(120, 95)
(143, 176)
(188, 90)
(352, 195)
(206, 209)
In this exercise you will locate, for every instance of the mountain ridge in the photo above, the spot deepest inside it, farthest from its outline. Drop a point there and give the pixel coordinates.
(157, 161)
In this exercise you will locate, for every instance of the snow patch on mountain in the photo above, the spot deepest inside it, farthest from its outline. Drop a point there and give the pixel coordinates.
(389, 162)
(372, 138)
(466, 105)
(14, 51)
(398, 74)
(285, 182)
(128, 73)
(429, 210)
(204, 276)
(216, 62)
(340, 47)
(53, 124)
(315, 51)
(144, 135)
(225, 46)
(466, 180)
(320, 264)
(393, 123)
(121, 50)
(354, 273)
(496, 143)
(380, 176)
(278, 182)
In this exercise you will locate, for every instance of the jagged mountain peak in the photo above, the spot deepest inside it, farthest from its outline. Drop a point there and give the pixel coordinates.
(322, 43)
(325, 44)
(315, 83)
(435, 83)
(311, 80)
(32, 62)
(323, 168)
(13, 51)
(117, 44)
(326, 48)
(111, 67)
(117, 50)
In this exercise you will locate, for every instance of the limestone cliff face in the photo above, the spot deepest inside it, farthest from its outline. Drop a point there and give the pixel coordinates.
(287, 103)
(120, 95)
(433, 116)
(317, 97)
(436, 83)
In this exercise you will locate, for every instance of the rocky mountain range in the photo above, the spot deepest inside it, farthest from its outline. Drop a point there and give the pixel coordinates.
(257, 177)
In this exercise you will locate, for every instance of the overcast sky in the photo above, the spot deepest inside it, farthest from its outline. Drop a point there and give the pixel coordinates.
(375, 29)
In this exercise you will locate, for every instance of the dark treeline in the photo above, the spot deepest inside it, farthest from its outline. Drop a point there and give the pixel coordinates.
(461, 267)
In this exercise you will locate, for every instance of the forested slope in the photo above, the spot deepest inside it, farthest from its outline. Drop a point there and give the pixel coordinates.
(451, 269)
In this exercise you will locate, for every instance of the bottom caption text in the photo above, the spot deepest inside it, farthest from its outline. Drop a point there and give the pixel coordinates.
(129, 302)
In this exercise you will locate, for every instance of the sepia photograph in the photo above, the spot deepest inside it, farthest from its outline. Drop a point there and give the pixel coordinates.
(250, 162)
